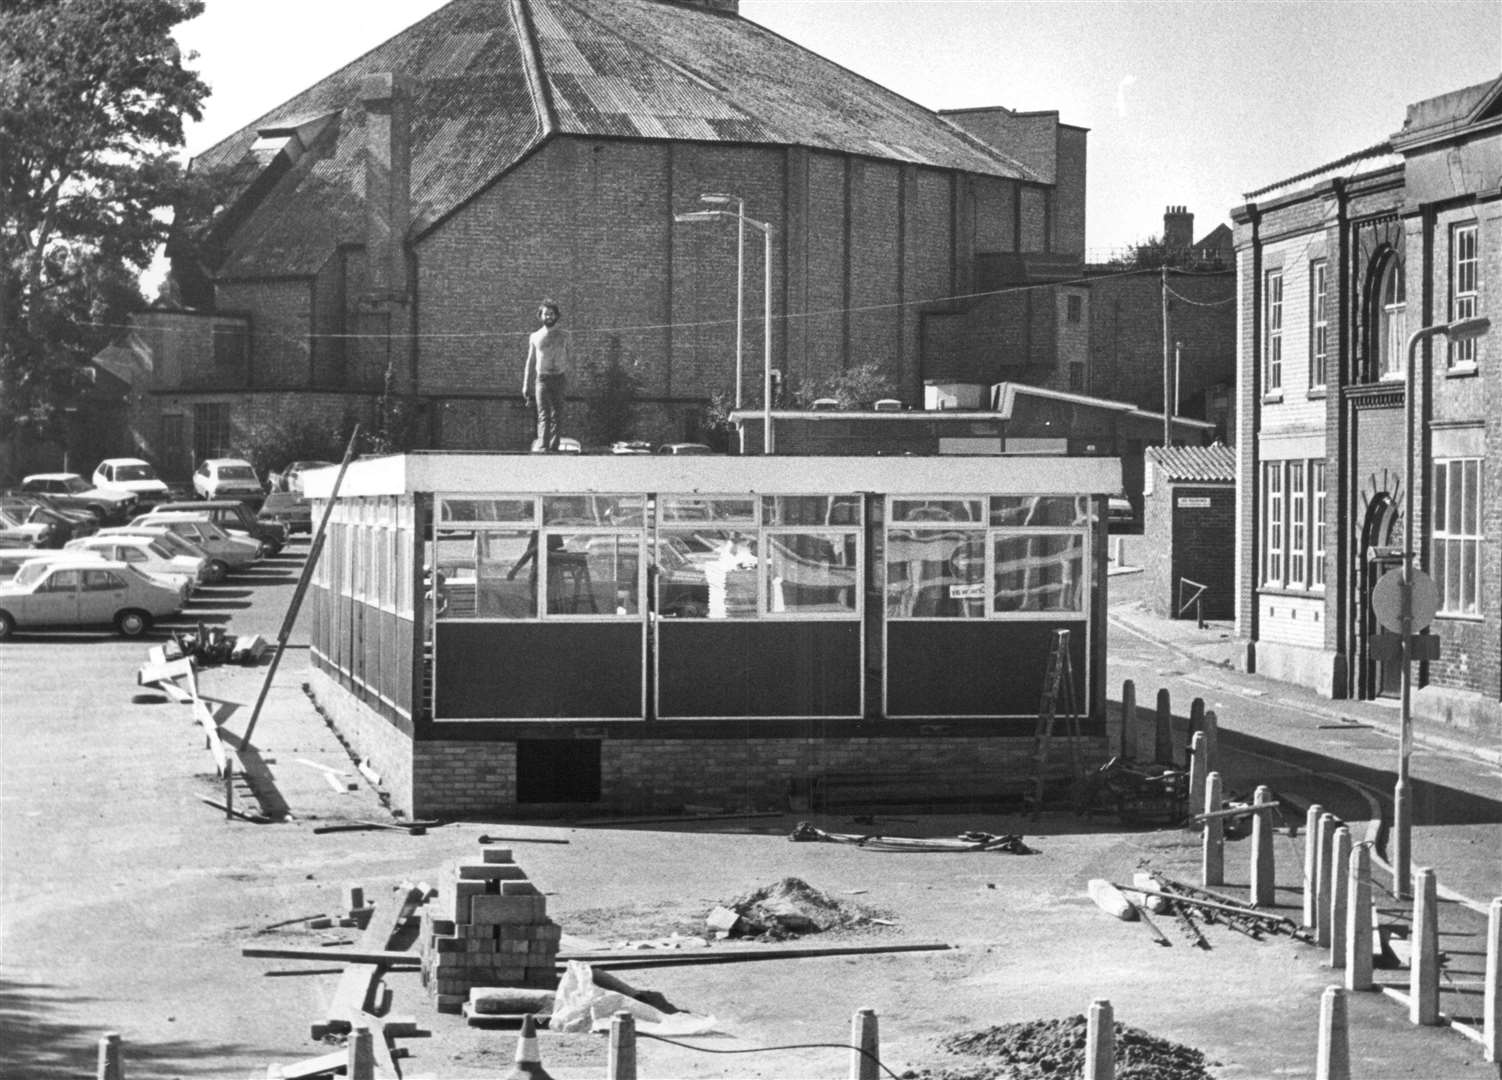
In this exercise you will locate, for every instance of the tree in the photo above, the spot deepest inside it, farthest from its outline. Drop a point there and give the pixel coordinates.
(854, 388)
(92, 99)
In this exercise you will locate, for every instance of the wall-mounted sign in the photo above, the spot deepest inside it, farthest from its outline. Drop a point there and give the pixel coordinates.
(1193, 502)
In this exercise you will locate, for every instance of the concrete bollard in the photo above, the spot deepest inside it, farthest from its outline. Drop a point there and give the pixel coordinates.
(1264, 867)
(1423, 968)
(110, 1065)
(1325, 840)
(1358, 926)
(620, 1061)
(1100, 1042)
(1197, 772)
(1334, 1044)
(1340, 872)
(1311, 860)
(360, 1055)
(865, 1053)
(1196, 723)
(1491, 1021)
(1212, 742)
(1213, 859)
(1139, 735)
(1163, 730)
(1125, 743)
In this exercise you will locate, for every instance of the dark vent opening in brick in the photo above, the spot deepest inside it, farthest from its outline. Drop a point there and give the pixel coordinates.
(557, 770)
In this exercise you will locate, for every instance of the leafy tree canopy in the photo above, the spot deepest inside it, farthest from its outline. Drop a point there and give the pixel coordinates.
(855, 387)
(92, 99)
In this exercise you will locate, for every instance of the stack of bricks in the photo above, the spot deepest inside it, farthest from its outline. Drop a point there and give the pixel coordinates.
(491, 928)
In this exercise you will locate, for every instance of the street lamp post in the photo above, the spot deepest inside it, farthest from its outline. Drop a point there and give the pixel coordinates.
(740, 278)
(765, 228)
(1402, 815)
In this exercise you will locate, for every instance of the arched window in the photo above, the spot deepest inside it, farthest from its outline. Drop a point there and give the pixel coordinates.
(1390, 333)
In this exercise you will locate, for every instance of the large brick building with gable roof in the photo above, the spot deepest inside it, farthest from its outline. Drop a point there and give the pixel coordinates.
(396, 223)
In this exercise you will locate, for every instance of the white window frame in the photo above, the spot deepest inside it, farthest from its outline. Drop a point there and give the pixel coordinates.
(1456, 539)
(1465, 290)
(1273, 524)
(1317, 500)
(1297, 493)
(1393, 321)
(1319, 324)
(1272, 355)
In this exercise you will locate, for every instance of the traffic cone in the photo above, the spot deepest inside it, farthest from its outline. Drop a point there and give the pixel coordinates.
(528, 1064)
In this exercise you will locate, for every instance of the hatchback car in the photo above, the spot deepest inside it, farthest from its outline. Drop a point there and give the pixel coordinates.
(227, 478)
(288, 509)
(290, 478)
(69, 491)
(133, 475)
(149, 555)
(684, 448)
(215, 569)
(235, 518)
(200, 531)
(83, 591)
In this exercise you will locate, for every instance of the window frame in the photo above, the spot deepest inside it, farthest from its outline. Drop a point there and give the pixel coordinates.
(1272, 329)
(1318, 502)
(1465, 292)
(1465, 537)
(1319, 323)
(1296, 494)
(1274, 563)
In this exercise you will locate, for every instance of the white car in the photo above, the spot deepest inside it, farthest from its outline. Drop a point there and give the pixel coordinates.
(228, 478)
(132, 475)
(83, 591)
(197, 529)
(149, 555)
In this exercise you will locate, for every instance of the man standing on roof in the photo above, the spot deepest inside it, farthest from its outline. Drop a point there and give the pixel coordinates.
(546, 375)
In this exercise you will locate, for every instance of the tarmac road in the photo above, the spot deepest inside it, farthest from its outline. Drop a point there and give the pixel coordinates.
(125, 902)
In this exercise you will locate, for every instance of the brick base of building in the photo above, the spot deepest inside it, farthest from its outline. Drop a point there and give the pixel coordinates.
(1322, 671)
(645, 775)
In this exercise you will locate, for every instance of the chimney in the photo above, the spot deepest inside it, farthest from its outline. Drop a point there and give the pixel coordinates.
(1178, 228)
(388, 182)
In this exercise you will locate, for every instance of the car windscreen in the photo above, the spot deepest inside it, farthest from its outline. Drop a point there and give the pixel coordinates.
(134, 472)
(75, 484)
(158, 547)
(30, 573)
(283, 500)
(236, 472)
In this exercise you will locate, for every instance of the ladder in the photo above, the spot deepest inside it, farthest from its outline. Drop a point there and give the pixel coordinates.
(1058, 681)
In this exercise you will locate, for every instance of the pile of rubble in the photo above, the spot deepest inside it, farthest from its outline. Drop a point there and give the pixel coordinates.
(489, 928)
(785, 909)
(1046, 1049)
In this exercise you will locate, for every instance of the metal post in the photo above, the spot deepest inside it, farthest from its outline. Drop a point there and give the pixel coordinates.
(767, 444)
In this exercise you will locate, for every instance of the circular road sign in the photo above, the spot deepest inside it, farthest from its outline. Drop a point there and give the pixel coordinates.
(1387, 600)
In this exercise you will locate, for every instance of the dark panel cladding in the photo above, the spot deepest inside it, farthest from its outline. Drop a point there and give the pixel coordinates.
(1002, 664)
(537, 670)
(759, 668)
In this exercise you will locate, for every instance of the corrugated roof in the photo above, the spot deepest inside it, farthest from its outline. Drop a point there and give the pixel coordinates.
(487, 86)
(1210, 463)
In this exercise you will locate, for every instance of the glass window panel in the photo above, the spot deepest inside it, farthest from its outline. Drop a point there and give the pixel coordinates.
(1442, 495)
(691, 508)
(1471, 499)
(1039, 573)
(1033, 511)
(936, 574)
(717, 581)
(960, 510)
(811, 572)
(522, 511)
(593, 573)
(490, 574)
(811, 510)
(1468, 553)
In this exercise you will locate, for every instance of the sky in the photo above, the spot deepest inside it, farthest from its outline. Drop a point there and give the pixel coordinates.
(1192, 103)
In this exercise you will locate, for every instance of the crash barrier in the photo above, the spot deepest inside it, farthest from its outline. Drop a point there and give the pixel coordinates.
(1196, 601)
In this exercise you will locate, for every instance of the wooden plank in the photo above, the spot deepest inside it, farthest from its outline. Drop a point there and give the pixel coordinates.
(1109, 899)
(347, 956)
(731, 955)
(355, 985)
(164, 671)
(315, 1066)
(175, 692)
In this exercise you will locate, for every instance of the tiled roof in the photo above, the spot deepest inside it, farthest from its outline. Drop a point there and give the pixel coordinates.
(490, 79)
(1209, 463)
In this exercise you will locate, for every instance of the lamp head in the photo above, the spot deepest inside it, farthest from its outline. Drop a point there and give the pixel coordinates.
(1466, 329)
(719, 199)
(697, 215)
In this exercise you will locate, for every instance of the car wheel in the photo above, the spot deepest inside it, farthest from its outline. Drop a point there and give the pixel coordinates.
(7, 625)
(218, 571)
(132, 623)
(273, 549)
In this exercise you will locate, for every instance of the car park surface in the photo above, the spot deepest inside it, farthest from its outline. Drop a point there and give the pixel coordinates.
(65, 490)
(83, 590)
(132, 475)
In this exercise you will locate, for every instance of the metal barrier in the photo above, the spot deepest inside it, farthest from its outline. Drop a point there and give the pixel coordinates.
(1197, 600)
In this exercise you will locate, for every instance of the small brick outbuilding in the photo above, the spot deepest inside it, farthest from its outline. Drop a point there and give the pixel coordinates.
(1189, 530)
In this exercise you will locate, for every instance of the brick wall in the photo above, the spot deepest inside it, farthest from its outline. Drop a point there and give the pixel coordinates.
(281, 322)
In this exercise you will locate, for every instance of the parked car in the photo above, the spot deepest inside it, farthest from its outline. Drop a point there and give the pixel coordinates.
(631, 446)
(69, 491)
(235, 518)
(684, 448)
(83, 591)
(1119, 510)
(133, 475)
(74, 521)
(566, 445)
(12, 559)
(227, 478)
(149, 555)
(215, 569)
(290, 477)
(199, 530)
(26, 521)
(288, 509)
